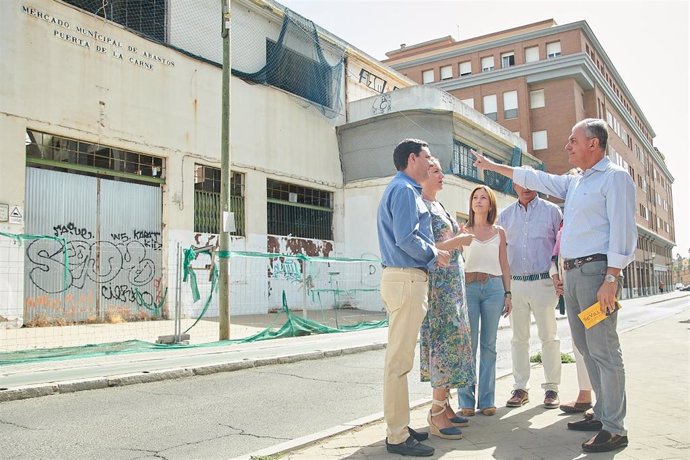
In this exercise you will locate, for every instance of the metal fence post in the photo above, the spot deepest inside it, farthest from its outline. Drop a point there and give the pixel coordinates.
(178, 295)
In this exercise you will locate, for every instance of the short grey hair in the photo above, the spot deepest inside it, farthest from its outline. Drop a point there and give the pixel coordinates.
(596, 128)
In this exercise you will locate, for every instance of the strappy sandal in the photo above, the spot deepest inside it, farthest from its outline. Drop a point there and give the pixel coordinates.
(452, 432)
(456, 419)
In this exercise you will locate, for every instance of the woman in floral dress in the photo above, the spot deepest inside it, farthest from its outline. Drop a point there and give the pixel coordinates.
(445, 341)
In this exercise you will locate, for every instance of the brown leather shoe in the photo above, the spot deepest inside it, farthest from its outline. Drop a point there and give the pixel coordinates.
(551, 400)
(465, 412)
(519, 399)
(488, 411)
(605, 442)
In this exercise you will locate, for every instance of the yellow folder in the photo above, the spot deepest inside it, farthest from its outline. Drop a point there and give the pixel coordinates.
(593, 315)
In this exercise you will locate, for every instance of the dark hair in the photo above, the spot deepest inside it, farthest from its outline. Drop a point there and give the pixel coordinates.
(493, 211)
(403, 149)
(596, 128)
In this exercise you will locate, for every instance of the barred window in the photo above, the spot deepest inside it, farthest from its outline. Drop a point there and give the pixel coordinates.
(144, 16)
(495, 180)
(463, 162)
(294, 210)
(463, 166)
(59, 153)
(207, 183)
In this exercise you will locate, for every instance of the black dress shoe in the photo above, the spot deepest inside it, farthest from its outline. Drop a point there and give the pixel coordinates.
(585, 425)
(605, 442)
(411, 448)
(418, 435)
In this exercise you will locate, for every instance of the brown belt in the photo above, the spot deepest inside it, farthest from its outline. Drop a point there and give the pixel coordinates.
(477, 277)
(569, 264)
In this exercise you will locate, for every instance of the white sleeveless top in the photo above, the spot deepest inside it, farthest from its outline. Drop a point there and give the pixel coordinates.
(482, 256)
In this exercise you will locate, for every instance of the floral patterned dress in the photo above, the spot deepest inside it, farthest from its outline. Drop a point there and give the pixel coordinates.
(445, 341)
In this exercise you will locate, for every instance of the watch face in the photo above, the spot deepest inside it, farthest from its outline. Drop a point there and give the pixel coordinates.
(610, 278)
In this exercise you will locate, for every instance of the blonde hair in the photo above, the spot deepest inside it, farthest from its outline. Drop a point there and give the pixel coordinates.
(436, 162)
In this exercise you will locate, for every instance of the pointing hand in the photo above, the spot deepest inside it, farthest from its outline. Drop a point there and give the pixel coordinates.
(481, 161)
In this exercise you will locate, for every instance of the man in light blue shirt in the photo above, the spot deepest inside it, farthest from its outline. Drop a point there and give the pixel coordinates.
(406, 242)
(531, 225)
(598, 240)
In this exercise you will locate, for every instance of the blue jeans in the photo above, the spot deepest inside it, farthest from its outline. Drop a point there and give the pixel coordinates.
(485, 305)
(598, 345)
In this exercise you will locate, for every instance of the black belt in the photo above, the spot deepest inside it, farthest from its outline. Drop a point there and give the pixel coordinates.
(569, 264)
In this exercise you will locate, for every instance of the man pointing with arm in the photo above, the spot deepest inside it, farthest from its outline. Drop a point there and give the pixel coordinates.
(598, 241)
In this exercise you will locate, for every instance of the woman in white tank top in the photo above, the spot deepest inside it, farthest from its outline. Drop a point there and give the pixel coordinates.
(487, 279)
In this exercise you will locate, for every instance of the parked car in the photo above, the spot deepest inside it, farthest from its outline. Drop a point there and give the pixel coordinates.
(678, 286)
(686, 288)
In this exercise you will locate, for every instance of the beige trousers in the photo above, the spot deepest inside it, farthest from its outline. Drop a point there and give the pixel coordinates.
(404, 291)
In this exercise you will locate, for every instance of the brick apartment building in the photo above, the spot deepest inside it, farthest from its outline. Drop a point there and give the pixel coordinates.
(537, 81)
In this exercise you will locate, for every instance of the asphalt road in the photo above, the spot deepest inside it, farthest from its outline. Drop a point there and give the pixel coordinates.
(228, 414)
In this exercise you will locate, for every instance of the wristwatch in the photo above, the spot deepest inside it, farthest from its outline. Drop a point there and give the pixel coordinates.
(610, 278)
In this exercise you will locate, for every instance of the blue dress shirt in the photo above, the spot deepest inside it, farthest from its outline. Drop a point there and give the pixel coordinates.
(599, 214)
(531, 235)
(404, 226)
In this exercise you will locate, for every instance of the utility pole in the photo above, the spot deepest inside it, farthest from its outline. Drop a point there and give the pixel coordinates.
(224, 253)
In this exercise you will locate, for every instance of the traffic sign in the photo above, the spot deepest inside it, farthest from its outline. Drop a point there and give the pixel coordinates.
(17, 215)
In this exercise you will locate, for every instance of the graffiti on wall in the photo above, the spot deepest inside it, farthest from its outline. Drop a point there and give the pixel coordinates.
(122, 268)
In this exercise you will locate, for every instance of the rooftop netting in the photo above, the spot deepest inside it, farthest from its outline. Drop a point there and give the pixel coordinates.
(296, 61)
(290, 56)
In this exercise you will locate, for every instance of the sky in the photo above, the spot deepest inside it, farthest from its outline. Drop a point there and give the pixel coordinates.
(647, 41)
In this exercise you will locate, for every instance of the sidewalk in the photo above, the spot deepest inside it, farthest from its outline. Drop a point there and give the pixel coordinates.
(658, 384)
(534, 430)
(49, 376)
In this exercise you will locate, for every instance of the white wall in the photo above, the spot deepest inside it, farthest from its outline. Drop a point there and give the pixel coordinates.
(61, 81)
(430, 98)
(121, 90)
(360, 90)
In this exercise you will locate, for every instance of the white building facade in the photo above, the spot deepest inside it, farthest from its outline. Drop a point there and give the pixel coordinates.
(110, 160)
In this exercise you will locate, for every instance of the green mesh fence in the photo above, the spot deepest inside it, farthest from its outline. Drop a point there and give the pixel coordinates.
(335, 292)
(21, 237)
(330, 289)
(295, 326)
